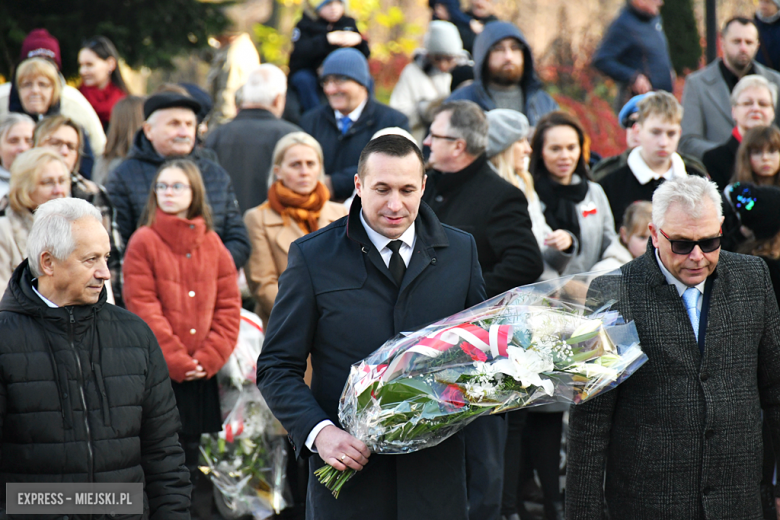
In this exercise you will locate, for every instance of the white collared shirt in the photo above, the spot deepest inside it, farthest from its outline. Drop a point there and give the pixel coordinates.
(409, 237)
(380, 242)
(48, 302)
(681, 287)
(354, 115)
(644, 174)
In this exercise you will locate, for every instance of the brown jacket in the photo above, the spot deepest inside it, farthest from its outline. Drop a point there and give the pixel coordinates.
(271, 240)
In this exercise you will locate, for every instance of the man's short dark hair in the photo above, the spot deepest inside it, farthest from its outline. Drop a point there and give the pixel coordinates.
(739, 19)
(468, 122)
(392, 145)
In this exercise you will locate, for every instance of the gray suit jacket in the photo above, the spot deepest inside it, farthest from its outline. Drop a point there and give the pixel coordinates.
(707, 120)
(681, 439)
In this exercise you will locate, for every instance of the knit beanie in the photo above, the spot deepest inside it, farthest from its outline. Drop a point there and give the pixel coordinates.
(758, 208)
(40, 44)
(319, 4)
(629, 109)
(347, 62)
(443, 38)
(505, 127)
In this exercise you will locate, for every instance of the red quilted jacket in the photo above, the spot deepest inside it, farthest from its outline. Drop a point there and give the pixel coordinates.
(182, 281)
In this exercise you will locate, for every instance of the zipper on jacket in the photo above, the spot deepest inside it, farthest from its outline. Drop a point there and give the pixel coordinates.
(83, 398)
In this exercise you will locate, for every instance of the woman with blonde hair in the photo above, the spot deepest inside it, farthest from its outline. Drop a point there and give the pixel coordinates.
(298, 204)
(39, 91)
(37, 176)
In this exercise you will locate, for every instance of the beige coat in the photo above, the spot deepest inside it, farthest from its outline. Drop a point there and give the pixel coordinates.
(14, 229)
(271, 240)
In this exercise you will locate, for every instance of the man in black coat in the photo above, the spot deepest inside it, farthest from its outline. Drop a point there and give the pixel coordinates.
(344, 293)
(245, 145)
(65, 350)
(350, 119)
(753, 102)
(466, 193)
(169, 131)
(682, 438)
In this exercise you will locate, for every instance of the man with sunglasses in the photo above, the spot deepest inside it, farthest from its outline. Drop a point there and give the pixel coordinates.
(352, 116)
(682, 438)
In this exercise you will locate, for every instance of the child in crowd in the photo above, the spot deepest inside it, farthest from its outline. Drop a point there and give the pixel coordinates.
(758, 157)
(181, 280)
(634, 231)
(322, 29)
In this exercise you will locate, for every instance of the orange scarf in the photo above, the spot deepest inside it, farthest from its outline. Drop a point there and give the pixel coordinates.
(303, 209)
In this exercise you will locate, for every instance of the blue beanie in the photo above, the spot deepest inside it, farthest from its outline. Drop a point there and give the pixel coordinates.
(347, 62)
(630, 109)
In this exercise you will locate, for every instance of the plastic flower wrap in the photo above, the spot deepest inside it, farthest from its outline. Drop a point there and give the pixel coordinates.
(246, 461)
(530, 346)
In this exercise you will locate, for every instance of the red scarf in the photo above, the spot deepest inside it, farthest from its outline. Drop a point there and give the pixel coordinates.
(102, 100)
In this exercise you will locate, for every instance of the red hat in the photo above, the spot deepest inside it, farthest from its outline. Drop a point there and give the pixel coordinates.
(40, 44)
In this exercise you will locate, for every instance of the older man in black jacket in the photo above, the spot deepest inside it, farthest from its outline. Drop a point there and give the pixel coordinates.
(169, 131)
(64, 351)
(682, 437)
(245, 145)
(465, 192)
(388, 267)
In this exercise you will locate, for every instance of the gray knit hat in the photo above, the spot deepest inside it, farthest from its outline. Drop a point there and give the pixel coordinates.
(347, 62)
(443, 38)
(505, 127)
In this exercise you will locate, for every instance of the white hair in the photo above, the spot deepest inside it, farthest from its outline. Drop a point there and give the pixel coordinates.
(11, 120)
(52, 229)
(263, 85)
(690, 192)
(753, 81)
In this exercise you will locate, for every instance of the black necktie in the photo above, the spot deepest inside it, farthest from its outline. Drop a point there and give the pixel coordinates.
(397, 266)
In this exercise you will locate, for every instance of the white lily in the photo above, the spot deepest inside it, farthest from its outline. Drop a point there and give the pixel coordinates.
(526, 366)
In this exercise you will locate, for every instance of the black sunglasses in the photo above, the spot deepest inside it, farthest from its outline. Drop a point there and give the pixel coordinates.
(684, 247)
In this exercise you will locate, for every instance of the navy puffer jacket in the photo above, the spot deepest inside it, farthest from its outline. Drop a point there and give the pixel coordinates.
(128, 187)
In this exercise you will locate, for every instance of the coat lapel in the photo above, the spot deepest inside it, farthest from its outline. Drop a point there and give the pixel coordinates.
(717, 90)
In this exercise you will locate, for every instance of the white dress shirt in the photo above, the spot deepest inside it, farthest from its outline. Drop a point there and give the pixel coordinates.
(644, 174)
(409, 237)
(48, 302)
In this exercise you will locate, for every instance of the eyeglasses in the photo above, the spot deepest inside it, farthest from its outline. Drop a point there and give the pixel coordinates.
(177, 187)
(760, 103)
(443, 57)
(59, 143)
(684, 247)
(336, 79)
(447, 137)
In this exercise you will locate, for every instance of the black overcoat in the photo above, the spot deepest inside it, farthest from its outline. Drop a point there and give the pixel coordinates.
(338, 302)
(478, 201)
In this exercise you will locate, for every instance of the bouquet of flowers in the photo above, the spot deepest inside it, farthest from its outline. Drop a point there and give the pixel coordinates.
(246, 461)
(530, 346)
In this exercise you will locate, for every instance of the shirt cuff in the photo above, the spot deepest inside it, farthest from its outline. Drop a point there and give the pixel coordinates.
(314, 432)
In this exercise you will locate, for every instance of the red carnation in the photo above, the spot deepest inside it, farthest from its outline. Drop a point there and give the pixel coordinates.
(473, 352)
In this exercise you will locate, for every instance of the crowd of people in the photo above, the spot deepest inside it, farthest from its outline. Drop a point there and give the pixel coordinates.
(342, 221)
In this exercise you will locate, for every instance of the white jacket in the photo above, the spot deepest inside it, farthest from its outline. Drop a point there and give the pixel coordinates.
(414, 92)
